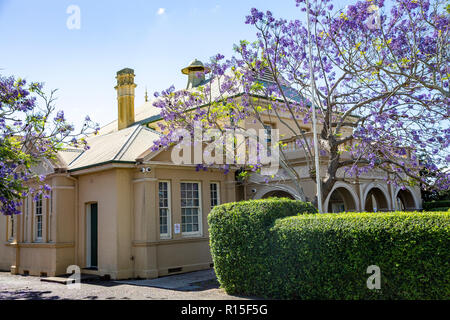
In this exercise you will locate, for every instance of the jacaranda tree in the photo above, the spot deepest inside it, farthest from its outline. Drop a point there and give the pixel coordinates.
(381, 89)
(30, 132)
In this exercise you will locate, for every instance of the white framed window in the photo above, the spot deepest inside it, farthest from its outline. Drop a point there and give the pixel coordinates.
(11, 227)
(25, 213)
(268, 130)
(38, 219)
(51, 201)
(165, 231)
(214, 190)
(191, 213)
(50, 215)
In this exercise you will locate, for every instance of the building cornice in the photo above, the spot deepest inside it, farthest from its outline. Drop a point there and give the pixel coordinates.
(107, 165)
(168, 242)
(48, 245)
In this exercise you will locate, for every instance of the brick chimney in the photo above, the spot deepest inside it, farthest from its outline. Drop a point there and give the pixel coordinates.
(125, 97)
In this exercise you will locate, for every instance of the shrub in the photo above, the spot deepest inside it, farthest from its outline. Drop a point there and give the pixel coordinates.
(240, 240)
(440, 209)
(258, 252)
(436, 204)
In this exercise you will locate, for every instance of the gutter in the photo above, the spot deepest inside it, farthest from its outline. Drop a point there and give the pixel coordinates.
(101, 164)
(156, 118)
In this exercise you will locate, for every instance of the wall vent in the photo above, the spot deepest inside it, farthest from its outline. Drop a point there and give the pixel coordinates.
(172, 270)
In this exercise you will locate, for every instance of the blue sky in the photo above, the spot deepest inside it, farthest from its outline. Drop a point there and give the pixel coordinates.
(155, 38)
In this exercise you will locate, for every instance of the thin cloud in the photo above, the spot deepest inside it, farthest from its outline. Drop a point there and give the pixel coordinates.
(216, 9)
(161, 11)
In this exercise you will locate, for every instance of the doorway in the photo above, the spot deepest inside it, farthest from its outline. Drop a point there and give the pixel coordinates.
(92, 236)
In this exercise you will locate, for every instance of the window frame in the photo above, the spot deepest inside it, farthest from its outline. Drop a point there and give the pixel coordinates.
(217, 194)
(11, 224)
(36, 222)
(25, 222)
(167, 235)
(198, 233)
(268, 127)
(50, 215)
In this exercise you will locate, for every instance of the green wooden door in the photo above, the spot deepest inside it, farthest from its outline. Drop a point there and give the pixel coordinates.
(94, 235)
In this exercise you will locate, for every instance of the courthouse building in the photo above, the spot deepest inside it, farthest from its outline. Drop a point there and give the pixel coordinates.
(123, 211)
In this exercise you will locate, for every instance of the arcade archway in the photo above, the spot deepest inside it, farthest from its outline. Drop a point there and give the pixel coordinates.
(341, 200)
(278, 194)
(405, 200)
(376, 201)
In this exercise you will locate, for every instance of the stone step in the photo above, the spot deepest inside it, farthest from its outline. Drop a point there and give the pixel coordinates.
(60, 280)
(64, 279)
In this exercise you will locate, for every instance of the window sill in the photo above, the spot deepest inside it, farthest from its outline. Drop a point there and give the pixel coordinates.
(191, 235)
(169, 241)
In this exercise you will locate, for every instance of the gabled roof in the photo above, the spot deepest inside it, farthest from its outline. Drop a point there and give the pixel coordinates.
(66, 156)
(119, 146)
(145, 111)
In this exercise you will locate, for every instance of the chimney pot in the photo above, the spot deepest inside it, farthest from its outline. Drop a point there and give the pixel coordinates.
(196, 73)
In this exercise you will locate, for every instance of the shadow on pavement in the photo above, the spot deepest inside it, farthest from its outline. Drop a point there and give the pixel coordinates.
(28, 295)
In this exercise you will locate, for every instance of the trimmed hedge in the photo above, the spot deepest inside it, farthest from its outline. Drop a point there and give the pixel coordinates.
(326, 256)
(440, 209)
(436, 204)
(240, 240)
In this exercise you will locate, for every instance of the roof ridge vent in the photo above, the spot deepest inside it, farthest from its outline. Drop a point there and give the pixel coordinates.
(196, 72)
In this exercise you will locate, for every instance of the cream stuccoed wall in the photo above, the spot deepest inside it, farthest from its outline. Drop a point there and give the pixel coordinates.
(56, 250)
(129, 244)
(154, 256)
(110, 189)
(7, 253)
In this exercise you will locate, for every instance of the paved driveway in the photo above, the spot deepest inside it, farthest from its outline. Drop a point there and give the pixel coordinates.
(191, 281)
(191, 286)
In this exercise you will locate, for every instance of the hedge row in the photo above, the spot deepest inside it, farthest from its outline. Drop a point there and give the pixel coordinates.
(326, 256)
(240, 241)
(436, 204)
(440, 209)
